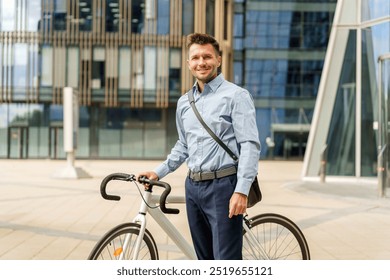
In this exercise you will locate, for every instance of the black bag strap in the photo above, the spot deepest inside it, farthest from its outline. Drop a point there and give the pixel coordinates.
(212, 134)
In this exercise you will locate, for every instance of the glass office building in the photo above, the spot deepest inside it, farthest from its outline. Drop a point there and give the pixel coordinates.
(279, 52)
(350, 123)
(126, 59)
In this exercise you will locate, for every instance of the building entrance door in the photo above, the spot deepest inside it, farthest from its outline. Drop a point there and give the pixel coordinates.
(18, 142)
(384, 123)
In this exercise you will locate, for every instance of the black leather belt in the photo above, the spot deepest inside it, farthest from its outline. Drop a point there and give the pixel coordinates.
(210, 175)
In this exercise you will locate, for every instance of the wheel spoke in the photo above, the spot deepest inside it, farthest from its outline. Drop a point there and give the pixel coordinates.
(278, 238)
(112, 245)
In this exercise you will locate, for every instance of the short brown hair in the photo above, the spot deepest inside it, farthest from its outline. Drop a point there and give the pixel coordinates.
(203, 39)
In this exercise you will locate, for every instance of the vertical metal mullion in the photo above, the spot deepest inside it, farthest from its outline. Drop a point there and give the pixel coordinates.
(115, 69)
(28, 74)
(107, 66)
(94, 18)
(166, 74)
(89, 71)
(35, 61)
(2, 68)
(54, 70)
(358, 94)
(103, 20)
(11, 63)
(158, 62)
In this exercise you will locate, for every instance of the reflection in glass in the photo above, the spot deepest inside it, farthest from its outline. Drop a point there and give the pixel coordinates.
(282, 78)
(287, 29)
(374, 9)
(341, 135)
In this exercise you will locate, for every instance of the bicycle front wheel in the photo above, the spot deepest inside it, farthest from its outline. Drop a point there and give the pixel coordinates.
(274, 237)
(111, 246)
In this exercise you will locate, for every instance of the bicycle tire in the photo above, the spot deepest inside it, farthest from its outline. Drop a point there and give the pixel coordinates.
(109, 247)
(278, 238)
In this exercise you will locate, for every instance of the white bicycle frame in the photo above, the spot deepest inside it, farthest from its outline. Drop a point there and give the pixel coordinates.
(167, 226)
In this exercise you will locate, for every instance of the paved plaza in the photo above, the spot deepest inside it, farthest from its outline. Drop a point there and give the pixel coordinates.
(45, 218)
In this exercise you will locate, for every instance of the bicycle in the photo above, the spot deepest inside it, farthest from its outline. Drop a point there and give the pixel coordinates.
(266, 236)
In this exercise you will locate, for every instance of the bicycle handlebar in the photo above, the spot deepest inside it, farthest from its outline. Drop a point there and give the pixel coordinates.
(142, 180)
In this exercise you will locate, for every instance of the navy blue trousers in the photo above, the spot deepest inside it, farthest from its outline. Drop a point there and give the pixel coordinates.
(215, 236)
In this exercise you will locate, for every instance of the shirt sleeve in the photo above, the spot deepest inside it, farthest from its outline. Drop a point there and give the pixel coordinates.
(179, 152)
(246, 132)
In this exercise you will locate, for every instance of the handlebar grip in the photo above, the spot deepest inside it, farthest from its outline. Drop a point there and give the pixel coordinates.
(114, 176)
(163, 196)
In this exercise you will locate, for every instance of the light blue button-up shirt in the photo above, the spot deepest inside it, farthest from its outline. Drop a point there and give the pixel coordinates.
(230, 113)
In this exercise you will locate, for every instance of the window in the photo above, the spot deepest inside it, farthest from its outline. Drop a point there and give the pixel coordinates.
(174, 71)
(47, 66)
(287, 29)
(150, 68)
(112, 15)
(124, 68)
(238, 32)
(210, 17)
(163, 17)
(98, 68)
(138, 16)
(20, 69)
(8, 15)
(85, 15)
(33, 14)
(188, 17)
(73, 67)
(59, 17)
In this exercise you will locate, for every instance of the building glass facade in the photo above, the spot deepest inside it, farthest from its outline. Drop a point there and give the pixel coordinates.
(279, 52)
(350, 123)
(126, 59)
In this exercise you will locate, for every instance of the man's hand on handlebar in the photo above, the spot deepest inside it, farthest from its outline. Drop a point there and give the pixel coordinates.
(151, 175)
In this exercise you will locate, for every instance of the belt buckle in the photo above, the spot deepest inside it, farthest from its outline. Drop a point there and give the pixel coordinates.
(197, 176)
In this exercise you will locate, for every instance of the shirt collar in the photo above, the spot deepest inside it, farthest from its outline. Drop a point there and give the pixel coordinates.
(213, 84)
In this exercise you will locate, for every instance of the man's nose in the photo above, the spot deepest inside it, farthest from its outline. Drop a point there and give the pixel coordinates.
(201, 61)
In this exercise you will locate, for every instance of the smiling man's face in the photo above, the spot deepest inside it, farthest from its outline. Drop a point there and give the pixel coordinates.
(203, 62)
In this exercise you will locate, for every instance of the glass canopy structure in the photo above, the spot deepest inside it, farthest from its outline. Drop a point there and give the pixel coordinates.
(349, 130)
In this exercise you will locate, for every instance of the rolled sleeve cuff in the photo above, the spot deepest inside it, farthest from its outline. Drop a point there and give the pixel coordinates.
(243, 186)
(162, 170)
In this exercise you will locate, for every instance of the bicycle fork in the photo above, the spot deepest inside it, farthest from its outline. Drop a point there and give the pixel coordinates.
(251, 239)
(141, 220)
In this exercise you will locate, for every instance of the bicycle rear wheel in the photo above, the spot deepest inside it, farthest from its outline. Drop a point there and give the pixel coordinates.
(110, 247)
(276, 238)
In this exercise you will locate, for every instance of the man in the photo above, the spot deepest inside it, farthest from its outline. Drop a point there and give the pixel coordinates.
(214, 206)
